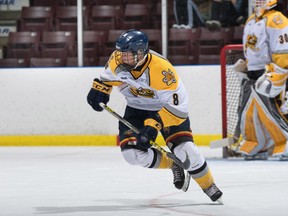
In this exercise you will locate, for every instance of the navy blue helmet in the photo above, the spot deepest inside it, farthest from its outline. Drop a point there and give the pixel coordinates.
(132, 40)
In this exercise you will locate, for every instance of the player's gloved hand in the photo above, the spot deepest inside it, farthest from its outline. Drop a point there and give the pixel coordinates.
(149, 132)
(98, 93)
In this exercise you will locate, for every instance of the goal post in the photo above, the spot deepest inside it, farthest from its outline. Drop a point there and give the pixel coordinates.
(230, 91)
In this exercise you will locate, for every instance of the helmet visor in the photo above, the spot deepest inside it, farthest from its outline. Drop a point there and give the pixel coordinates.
(258, 3)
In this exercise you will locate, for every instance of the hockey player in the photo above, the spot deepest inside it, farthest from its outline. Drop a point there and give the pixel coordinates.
(262, 106)
(156, 102)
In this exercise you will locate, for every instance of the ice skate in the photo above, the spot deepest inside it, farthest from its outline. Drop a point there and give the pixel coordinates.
(259, 156)
(283, 157)
(214, 193)
(180, 181)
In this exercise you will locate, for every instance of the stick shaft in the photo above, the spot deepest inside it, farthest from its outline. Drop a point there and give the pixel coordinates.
(184, 165)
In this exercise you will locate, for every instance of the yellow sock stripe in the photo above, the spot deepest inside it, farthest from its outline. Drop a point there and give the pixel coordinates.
(165, 163)
(205, 181)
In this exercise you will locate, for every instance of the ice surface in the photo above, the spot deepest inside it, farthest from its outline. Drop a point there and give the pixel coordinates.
(84, 181)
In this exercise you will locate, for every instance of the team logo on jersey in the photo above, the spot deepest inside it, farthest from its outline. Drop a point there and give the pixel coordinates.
(169, 77)
(251, 42)
(142, 92)
(277, 19)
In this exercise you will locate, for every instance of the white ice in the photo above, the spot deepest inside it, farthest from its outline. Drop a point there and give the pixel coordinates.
(84, 181)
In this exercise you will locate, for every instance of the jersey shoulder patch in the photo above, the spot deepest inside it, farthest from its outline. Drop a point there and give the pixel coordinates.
(276, 20)
(163, 75)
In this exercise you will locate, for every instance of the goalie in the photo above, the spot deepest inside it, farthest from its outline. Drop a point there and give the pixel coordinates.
(156, 102)
(263, 107)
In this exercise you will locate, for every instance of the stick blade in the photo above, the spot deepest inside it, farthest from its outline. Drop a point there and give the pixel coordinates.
(222, 143)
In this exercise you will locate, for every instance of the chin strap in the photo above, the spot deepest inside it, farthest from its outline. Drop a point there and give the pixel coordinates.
(140, 62)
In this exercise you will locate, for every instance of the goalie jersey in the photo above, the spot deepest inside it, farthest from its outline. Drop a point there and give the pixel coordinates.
(153, 86)
(266, 40)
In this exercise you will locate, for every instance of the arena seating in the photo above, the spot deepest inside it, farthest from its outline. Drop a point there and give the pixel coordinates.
(104, 21)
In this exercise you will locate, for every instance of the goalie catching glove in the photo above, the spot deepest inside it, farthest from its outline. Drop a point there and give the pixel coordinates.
(240, 68)
(149, 132)
(98, 93)
(272, 82)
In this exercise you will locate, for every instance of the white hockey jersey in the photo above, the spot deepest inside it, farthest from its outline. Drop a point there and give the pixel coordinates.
(266, 40)
(155, 87)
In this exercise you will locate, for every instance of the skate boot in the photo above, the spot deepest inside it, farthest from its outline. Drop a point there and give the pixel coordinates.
(179, 176)
(263, 155)
(214, 193)
(283, 157)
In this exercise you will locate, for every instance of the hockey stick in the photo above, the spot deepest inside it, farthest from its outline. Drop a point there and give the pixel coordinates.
(184, 165)
(236, 136)
(228, 140)
(223, 142)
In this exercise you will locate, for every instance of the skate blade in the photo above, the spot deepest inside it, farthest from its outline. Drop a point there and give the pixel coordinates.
(251, 158)
(283, 158)
(186, 182)
(220, 201)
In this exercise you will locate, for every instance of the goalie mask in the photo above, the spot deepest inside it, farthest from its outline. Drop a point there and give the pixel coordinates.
(131, 48)
(260, 6)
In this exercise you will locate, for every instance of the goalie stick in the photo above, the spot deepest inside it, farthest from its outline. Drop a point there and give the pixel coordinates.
(185, 165)
(223, 142)
(240, 65)
(228, 140)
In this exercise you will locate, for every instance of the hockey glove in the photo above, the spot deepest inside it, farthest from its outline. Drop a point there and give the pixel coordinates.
(273, 81)
(98, 93)
(149, 132)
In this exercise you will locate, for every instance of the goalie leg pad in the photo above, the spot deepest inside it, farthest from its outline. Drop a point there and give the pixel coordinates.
(261, 125)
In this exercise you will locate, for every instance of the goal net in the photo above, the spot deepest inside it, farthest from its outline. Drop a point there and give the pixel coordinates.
(230, 93)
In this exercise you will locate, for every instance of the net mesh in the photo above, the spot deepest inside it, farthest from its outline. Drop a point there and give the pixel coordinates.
(229, 56)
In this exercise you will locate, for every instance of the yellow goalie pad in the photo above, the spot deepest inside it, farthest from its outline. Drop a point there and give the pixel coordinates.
(260, 129)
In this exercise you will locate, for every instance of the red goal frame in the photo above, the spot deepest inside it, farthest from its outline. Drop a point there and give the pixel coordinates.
(223, 61)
